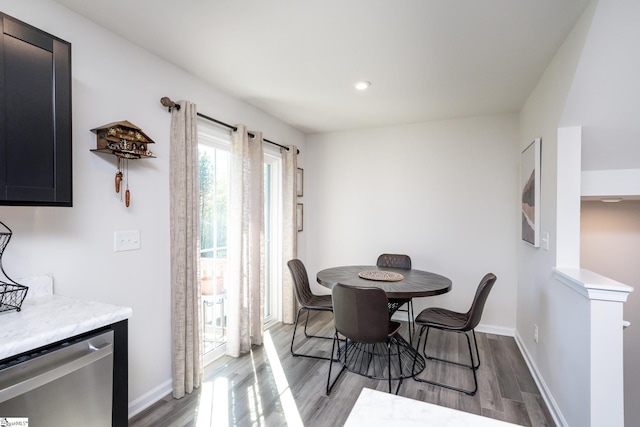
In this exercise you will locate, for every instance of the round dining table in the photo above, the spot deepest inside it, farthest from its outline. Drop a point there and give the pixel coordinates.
(414, 283)
(401, 286)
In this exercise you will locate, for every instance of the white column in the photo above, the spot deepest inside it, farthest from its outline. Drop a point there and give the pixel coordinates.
(606, 297)
(568, 196)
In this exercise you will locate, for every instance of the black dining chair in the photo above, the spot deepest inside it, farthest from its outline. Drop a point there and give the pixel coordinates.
(308, 301)
(404, 262)
(451, 321)
(362, 317)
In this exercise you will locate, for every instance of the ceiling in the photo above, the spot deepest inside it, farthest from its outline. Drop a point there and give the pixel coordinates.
(298, 60)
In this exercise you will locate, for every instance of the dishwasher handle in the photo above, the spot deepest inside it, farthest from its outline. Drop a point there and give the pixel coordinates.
(55, 373)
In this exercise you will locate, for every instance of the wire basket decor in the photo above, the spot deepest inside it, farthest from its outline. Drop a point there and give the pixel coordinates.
(12, 294)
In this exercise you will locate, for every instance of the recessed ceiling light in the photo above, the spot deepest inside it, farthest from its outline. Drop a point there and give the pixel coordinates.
(363, 85)
(611, 199)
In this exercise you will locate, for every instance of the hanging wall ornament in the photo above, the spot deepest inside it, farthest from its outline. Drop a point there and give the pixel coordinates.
(127, 194)
(125, 141)
(118, 177)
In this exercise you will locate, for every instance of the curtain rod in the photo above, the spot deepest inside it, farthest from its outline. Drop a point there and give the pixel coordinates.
(170, 105)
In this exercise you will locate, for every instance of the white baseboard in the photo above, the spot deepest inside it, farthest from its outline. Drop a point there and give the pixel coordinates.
(554, 409)
(143, 402)
(496, 330)
(400, 316)
(487, 329)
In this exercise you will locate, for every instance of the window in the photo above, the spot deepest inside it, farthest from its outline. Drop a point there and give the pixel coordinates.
(214, 160)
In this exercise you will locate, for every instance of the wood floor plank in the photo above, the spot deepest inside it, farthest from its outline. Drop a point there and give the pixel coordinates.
(525, 381)
(537, 410)
(490, 396)
(257, 395)
(509, 387)
(515, 412)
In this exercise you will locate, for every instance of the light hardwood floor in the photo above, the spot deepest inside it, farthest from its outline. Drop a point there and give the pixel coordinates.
(269, 387)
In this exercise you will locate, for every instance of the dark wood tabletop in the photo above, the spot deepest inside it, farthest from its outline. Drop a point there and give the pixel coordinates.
(416, 283)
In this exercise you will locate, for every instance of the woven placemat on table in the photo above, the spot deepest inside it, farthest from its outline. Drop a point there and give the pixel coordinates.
(381, 276)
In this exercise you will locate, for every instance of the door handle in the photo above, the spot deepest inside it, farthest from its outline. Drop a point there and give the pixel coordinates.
(55, 373)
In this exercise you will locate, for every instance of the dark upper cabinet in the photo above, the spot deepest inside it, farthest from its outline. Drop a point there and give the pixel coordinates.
(35, 117)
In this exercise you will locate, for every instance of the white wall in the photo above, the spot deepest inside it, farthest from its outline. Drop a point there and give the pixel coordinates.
(610, 245)
(115, 80)
(605, 99)
(559, 356)
(443, 192)
(605, 94)
(592, 82)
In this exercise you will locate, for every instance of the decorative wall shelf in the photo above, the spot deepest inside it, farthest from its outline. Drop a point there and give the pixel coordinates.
(122, 153)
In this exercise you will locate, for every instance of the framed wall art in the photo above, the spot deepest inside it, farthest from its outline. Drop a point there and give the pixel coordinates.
(530, 185)
(299, 216)
(300, 182)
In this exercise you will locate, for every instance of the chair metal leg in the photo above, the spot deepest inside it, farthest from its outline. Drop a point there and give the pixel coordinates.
(471, 366)
(389, 362)
(415, 357)
(475, 341)
(295, 328)
(399, 366)
(312, 336)
(331, 360)
(412, 325)
(306, 322)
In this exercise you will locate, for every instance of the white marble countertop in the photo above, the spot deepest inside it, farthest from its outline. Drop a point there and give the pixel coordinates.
(377, 408)
(46, 318)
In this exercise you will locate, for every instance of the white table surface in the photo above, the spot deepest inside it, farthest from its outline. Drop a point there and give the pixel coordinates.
(377, 408)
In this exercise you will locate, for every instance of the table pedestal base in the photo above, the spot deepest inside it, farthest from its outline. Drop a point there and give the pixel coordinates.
(371, 360)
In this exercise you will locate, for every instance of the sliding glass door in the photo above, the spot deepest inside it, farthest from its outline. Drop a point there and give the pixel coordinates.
(214, 160)
(273, 233)
(213, 163)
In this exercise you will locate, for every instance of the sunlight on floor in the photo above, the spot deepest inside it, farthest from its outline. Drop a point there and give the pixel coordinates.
(215, 393)
(286, 398)
(253, 394)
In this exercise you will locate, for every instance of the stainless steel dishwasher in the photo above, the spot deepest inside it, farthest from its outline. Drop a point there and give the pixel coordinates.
(70, 384)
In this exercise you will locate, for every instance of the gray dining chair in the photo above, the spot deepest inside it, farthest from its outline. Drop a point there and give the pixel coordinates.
(404, 262)
(308, 301)
(452, 321)
(361, 316)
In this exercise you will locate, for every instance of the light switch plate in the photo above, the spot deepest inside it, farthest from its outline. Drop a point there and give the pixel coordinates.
(126, 240)
(545, 240)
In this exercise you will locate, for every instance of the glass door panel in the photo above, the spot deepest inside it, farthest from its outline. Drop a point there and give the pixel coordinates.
(214, 196)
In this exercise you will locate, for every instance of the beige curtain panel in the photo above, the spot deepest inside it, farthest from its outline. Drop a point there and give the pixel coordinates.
(289, 230)
(186, 306)
(245, 294)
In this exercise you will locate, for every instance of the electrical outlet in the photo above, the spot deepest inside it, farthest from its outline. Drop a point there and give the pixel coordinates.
(535, 333)
(126, 240)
